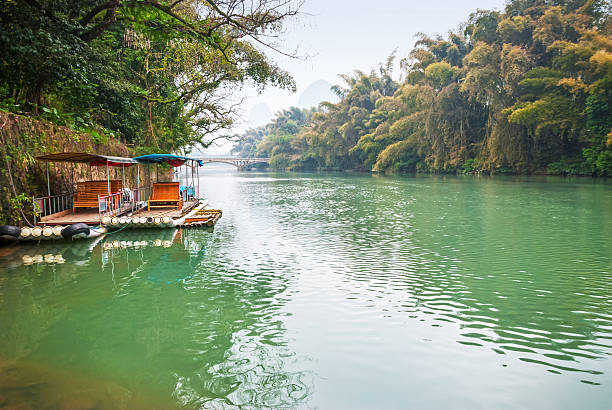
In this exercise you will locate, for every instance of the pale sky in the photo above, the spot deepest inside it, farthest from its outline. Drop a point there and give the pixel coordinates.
(340, 36)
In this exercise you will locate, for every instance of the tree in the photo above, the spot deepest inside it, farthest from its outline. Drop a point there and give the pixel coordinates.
(156, 72)
(524, 90)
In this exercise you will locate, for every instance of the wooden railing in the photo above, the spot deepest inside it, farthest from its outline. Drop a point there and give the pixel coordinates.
(112, 205)
(48, 205)
(140, 197)
(108, 205)
(121, 202)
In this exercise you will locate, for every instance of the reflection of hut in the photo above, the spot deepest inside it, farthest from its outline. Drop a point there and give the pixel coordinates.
(79, 253)
(141, 238)
(170, 266)
(132, 322)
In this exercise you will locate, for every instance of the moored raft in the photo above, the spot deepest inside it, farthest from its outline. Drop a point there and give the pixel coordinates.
(208, 217)
(197, 216)
(108, 206)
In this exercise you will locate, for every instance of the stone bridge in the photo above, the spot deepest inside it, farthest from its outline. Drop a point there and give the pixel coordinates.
(240, 163)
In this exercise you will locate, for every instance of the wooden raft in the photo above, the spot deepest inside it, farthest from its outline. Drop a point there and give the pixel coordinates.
(208, 217)
(88, 192)
(165, 194)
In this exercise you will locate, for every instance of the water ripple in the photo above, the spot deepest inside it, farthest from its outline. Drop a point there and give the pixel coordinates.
(334, 292)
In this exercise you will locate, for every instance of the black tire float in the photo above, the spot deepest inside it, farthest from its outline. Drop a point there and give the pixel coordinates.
(8, 234)
(75, 229)
(10, 231)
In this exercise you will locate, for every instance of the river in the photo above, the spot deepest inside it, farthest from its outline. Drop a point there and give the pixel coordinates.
(326, 291)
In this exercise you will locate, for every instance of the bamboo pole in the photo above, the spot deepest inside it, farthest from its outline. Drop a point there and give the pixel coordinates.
(48, 183)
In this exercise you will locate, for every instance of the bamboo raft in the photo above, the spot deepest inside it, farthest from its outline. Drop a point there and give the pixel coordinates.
(193, 214)
(98, 207)
(208, 217)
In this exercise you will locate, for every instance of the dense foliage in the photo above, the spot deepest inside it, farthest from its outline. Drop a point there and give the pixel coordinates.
(525, 90)
(152, 73)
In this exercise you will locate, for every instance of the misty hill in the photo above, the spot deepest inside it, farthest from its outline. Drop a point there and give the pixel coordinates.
(315, 93)
(260, 114)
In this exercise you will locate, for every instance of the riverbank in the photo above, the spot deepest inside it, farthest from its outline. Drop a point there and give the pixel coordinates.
(552, 172)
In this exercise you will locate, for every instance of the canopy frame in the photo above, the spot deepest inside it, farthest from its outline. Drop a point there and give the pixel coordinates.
(170, 159)
(87, 158)
(176, 161)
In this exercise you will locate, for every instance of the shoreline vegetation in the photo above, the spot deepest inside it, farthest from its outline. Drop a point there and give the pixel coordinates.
(526, 91)
(124, 78)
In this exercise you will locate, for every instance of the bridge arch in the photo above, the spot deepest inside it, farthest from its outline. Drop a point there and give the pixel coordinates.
(240, 163)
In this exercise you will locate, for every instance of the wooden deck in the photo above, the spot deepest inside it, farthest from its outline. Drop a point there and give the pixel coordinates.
(91, 216)
(87, 216)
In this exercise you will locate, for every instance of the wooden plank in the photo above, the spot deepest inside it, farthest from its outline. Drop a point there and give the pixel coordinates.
(202, 219)
(88, 217)
(55, 215)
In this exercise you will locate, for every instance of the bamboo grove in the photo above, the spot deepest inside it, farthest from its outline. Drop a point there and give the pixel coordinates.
(526, 90)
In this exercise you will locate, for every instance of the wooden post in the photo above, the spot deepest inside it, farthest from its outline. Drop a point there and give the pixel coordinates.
(48, 183)
(107, 177)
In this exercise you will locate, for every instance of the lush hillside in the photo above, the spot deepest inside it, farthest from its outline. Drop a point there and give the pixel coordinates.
(525, 90)
(153, 75)
(21, 177)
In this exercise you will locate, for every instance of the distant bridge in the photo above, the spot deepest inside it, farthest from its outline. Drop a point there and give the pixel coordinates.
(240, 163)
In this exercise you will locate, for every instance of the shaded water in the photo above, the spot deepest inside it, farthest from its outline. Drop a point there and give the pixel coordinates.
(326, 291)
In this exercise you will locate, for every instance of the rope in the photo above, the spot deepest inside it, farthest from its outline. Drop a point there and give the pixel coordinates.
(118, 230)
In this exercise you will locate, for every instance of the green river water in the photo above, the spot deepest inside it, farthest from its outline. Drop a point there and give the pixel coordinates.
(325, 291)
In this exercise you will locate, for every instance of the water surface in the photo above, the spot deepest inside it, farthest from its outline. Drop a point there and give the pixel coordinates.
(326, 291)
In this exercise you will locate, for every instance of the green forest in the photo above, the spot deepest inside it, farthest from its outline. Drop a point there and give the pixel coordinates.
(125, 77)
(154, 74)
(524, 90)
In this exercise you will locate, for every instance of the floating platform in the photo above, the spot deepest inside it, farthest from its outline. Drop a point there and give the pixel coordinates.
(208, 217)
(92, 216)
(89, 224)
(90, 209)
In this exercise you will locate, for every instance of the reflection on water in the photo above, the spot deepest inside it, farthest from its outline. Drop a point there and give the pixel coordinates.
(326, 291)
(138, 310)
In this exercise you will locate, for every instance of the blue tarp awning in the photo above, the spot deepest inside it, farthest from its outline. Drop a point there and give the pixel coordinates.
(174, 160)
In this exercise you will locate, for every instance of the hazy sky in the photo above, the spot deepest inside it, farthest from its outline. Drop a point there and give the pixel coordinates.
(343, 35)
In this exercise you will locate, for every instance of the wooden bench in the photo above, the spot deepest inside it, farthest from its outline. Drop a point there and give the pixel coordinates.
(88, 192)
(165, 194)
